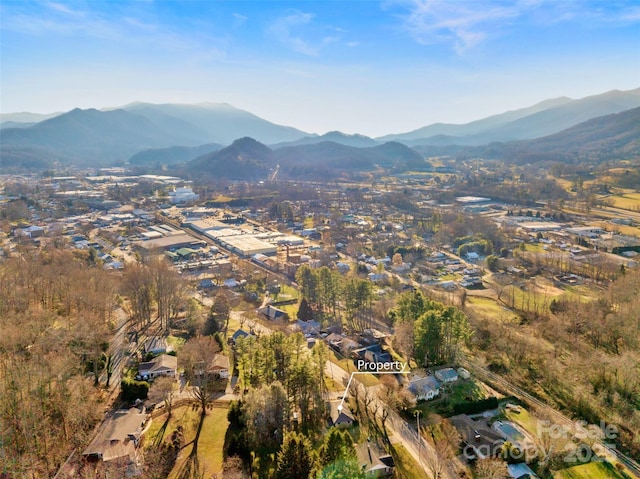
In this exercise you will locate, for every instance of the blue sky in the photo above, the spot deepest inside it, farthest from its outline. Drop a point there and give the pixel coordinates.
(356, 66)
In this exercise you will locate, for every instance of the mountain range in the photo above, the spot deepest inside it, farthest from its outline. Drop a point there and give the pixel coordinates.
(248, 159)
(542, 119)
(599, 139)
(150, 134)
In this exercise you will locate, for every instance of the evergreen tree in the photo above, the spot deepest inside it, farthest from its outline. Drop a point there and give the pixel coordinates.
(295, 459)
(305, 313)
(338, 446)
(438, 334)
(346, 469)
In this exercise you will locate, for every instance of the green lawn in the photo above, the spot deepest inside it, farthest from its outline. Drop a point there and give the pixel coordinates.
(211, 444)
(176, 341)
(592, 470)
(524, 419)
(346, 364)
(456, 393)
(485, 307)
(406, 466)
(628, 201)
(534, 247)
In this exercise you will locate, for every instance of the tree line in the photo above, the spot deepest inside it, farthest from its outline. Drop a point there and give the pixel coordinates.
(56, 316)
(282, 412)
(327, 294)
(428, 331)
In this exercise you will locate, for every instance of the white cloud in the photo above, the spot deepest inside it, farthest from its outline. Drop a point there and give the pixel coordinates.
(282, 28)
(239, 20)
(465, 24)
(59, 7)
(289, 31)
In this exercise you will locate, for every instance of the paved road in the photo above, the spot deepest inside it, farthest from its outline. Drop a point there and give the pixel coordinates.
(118, 349)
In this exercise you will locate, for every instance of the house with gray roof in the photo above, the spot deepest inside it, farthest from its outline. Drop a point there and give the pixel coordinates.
(163, 365)
(425, 388)
(117, 437)
(446, 375)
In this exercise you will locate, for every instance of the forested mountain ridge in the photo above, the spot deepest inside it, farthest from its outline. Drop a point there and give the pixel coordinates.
(542, 119)
(609, 137)
(247, 158)
(107, 137)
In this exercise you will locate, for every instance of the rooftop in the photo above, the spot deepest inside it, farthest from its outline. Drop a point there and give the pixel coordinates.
(118, 436)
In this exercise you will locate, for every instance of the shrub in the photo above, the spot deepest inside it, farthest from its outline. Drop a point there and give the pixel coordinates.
(132, 390)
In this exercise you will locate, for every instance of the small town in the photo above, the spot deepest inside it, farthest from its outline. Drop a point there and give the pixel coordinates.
(372, 239)
(212, 315)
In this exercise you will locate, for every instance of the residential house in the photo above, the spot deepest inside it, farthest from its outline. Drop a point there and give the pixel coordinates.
(163, 365)
(447, 284)
(473, 256)
(117, 437)
(271, 312)
(341, 418)
(342, 344)
(377, 277)
(238, 335)
(377, 356)
(220, 366)
(463, 373)
(310, 327)
(231, 283)
(343, 267)
(32, 231)
(206, 283)
(480, 440)
(373, 461)
(446, 375)
(425, 388)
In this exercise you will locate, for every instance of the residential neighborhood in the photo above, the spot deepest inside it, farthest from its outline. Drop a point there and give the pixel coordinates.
(245, 276)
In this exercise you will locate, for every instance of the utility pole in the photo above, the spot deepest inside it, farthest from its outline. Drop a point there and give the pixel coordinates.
(417, 415)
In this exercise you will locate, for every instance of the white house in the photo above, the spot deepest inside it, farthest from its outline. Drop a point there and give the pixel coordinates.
(425, 388)
(220, 366)
(163, 365)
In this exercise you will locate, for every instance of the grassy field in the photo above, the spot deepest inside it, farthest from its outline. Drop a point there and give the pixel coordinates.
(346, 364)
(176, 341)
(211, 444)
(592, 470)
(534, 247)
(221, 199)
(457, 393)
(487, 307)
(406, 466)
(627, 201)
(524, 419)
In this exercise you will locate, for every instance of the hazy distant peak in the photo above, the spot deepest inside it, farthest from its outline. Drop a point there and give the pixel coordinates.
(26, 117)
(343, 135)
